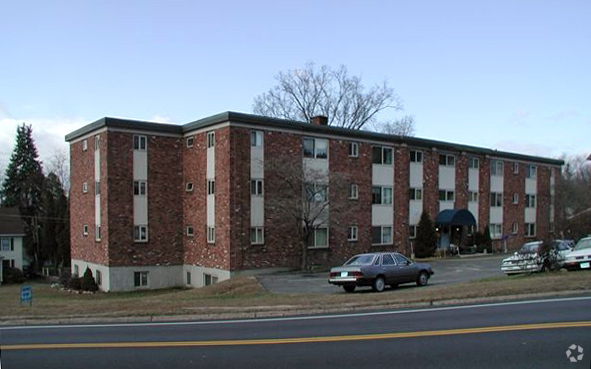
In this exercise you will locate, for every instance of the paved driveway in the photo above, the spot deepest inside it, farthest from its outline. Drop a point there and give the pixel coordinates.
(446, 271)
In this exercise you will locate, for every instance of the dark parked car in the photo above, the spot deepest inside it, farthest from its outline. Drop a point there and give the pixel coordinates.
(378, 270)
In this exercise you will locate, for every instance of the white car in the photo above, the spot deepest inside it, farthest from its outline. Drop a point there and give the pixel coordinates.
(580, 257)
(534, 257)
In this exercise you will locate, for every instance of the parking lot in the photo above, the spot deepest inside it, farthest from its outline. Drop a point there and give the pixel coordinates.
(446, 271)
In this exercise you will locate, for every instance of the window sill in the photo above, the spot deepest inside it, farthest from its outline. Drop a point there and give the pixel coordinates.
(382, 244)
(318, 247)
(140, 241)
(257, 244)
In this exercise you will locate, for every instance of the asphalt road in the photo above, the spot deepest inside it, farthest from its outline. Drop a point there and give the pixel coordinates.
(532, 334)
(446, 271)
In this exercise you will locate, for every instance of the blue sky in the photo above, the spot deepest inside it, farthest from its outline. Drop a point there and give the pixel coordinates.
(509, 75)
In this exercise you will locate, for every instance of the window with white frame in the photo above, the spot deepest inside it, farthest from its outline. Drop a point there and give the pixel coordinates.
(97, 143)
(496, 230)
(415, 194)
(97, 187)
(190, 231)
(416, 156)
(316, 192)
(189, 187)
(530, 171)
(256, 187)
(381, 195)
(447, 195)
(382, 155)
(447, 160)
(515, 198)
(472, 196)
(514, 228)
(139, 188)
(99, 277)
(76, 270)
(85, 230)
(84, 145)
(210, 234)
(530, 201)
(315, 148)
(257, 235)
(412, 231)
(496, 199)
(318, 237)
(140, 142)
(352, 233)
(190, 141)
(140, 279)
(353, 149)
(210, 139)
(7, 244)
(84, 187)
(515, 168)
(210, 186)
(381, 235)
(353, 191)
(496, 168)
(140, 233)
(256, 138)
(530, 229)
(97, 232)
(473, 163)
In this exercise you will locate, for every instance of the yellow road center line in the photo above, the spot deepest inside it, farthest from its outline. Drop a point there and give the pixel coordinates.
(276, 341)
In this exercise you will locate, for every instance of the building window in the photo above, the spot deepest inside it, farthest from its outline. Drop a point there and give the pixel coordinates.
(256, 187)
(76, 270)
(140, 279)
(188, 278)
(209, 279)
(210, 139)
(412, 231)
(416, 156)
(318, 237)
(140, 142)
(84, 145)
(496, 199)
(352, 233)
(353, 149)
(315, 148)
(97, 143)
(381, 195)
(530, 201)
(381, 235)
(353, 191)
(515, 168)
(84, 187)
(99, 277)
(515, 198)
(496, 230)
(446, 195)
(415, 194)
(530, 229)
(447, 160)
(97, 187)
(140, 233)
(189, 187)
(190, 141)
(473, 196)
(8, 244)
(530, 171)
(85, 230)
(256, 138)
(257, 235)
(382, 155)
(473, 163)
(210, 234)
(514, 228)
(139, 188)
(551, 227)
(496, 168)
(210, 186)
(190, 231)
(316, 192)
(97, 232)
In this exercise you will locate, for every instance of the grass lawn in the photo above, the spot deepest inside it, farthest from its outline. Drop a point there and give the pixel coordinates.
(244, 295)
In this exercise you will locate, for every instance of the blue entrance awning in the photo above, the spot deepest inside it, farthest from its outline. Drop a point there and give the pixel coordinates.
(455, 217)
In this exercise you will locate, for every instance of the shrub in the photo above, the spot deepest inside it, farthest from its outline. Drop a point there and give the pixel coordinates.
(88, 283)
(75, 283)
(13, 275)
(65, 278)
(426, 241)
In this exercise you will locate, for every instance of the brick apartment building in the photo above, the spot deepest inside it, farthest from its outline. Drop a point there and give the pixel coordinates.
(160, 205)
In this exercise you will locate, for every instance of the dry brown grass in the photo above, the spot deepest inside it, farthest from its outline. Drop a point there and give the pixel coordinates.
(244, 296)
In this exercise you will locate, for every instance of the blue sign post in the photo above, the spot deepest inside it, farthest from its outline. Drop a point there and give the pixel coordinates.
(27, 295)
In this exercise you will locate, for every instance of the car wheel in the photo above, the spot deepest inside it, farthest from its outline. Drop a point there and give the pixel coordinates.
(379, 284)
(422, 279)
(349, 288)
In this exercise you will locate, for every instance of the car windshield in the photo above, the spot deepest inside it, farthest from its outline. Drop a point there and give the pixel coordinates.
(560, 245)
(529, 248)
(361, 260)
(583, 244)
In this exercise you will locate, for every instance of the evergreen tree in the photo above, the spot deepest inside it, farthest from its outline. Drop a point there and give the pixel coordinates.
(426, 240)
(88, 283)
(486, 240)
(22, 187)
(56, 235)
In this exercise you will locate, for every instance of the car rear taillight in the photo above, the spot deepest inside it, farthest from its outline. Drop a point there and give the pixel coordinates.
(356, 274)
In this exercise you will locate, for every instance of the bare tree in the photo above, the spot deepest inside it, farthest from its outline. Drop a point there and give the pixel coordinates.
(573, 196)
(404, 127)
(303, 93)
(59, 165)
(304, 201)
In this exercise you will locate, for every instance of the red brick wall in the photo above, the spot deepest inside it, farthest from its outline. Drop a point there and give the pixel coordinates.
(461, 182)
(543, 203)
(513, 183)
(431, 183)
(484, 193)
(401, 202)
